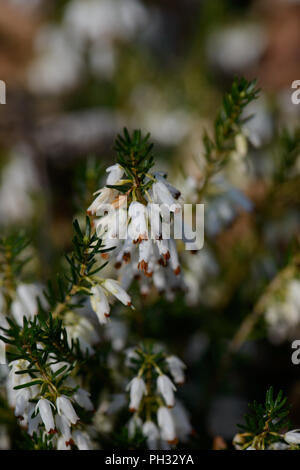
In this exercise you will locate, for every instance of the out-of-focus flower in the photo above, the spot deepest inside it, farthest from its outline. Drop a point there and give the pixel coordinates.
(57, 65)
(236, 48)
(82, 440)
(82, 397)
(25, 304)
(151, 432)
(18, 182)
(134, 424)
(292, 437)
(81, 329)
(95, 20)
(283, 316)
(176, 367)
(182, 422)
(62, 424)
(166, 423)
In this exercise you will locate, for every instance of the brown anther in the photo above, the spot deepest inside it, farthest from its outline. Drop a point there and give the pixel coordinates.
(177, 271)
(69, 443)
(162, 262)
(143, 266)
(149, 274)
(52, 431)
(126, 257)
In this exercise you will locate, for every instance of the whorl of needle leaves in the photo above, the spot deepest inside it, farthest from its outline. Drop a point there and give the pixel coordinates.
(229, 120)
(266, 421)
(134, 155)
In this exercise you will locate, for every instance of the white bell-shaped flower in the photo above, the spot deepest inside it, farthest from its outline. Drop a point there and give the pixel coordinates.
(44, 408)
(137, 389)
(292, 437)
(100, 303)
(65, 408)
(138, 229)
(166, 387)
(151, 432)
(82, 440)
(63, 425)
(82, 397)
(176, 368)
(33, 422)
(166, 423)
(22, 401)
(62, 444)
(115, 173)
(114, 288)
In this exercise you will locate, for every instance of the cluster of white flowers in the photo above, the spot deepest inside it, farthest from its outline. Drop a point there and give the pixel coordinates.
(136, 232)
(170, 427)
(169, 421)
(283, 313)
(39, 414)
